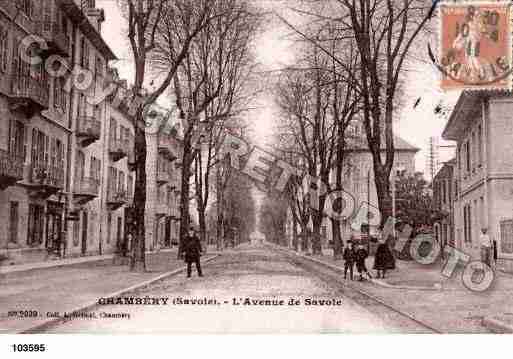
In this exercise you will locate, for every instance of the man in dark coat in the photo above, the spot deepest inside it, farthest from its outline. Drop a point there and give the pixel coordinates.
(193, 252)
(349, 258)
(383, 260)
(361, 255)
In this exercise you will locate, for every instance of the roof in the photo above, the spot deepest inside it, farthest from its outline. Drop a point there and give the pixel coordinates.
(467, 108)
(461, 115)
(76, 14)
(400, 145)
(446, 171)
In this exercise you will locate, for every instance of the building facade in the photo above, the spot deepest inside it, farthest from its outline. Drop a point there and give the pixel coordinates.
(444, 191)
(358, 176)
(480, 125)
(163, 178)
(66, 176)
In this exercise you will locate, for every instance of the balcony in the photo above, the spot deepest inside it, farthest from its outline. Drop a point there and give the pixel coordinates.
(43, 180)
(11, 169)
(88, 130)
(28, 95)
(85, 190)
(166, 147)
(116, 198)
(56, 40)
(118, 148)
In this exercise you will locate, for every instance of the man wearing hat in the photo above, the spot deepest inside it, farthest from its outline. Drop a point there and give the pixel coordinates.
(193, 252)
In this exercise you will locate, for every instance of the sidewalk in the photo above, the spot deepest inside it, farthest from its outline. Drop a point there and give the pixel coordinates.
(75, 286)
(445, 303)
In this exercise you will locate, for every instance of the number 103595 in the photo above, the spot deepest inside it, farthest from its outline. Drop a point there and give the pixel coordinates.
(28, 347)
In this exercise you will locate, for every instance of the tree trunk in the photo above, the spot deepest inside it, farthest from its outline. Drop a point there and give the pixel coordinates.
(316, 233)
(383, 193)
(294, 234)
(338, 245)
(184, 198)
(203, 227)
(138, 261)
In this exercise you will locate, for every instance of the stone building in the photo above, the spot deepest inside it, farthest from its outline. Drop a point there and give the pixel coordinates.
(358, 175)
(480, 125)
(64, 161)
(163, 179)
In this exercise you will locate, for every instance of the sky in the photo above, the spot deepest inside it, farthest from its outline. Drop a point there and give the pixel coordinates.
(274, 51)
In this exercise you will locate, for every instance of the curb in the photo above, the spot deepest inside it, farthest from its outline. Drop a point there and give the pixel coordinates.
(497, 326)
(53, 264)
(435, 287)
(88, 306)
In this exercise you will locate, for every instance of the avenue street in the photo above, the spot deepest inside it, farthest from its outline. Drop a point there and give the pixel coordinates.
(252, 289)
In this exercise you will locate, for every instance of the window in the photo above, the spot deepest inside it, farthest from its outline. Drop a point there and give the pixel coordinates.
(506, 233)
(98, 112)
(4, 48)
(113, 175)
(27, 7)
(59, 95)
(467, 156)
(99, 67)
(473, 148)
(444, 192)
(35, 225)
(130, 183)
(18, 144)
(88, 4)
(60, 154)
(40, 148)
(467, 219)
(479, 146)
(121, 181)
(95, 169)
(80, 164)
(449, 191)
(113, 128)
(84, 54)
(13, 222)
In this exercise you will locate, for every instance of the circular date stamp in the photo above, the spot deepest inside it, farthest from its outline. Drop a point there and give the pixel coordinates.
(475, 45)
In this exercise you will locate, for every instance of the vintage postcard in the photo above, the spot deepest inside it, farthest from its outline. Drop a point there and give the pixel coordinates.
(255, 166)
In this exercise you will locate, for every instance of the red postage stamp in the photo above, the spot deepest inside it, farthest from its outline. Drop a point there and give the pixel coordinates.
(475, 46)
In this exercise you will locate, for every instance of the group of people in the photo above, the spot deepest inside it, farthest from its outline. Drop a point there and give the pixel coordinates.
(383, 260)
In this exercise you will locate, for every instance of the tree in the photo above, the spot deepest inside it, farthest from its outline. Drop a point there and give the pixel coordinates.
(414, 201)
(317, 104)
(383, 31)
(273, 218)
(208, 88)
(240, 210)
(144, 17)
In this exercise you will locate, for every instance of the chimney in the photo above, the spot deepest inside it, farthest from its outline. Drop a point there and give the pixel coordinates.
(96, 17)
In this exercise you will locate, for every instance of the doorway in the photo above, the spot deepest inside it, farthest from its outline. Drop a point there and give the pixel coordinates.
(85, 221)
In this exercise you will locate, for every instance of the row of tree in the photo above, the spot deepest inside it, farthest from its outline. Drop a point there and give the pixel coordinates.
(355, 56)
(199, 53)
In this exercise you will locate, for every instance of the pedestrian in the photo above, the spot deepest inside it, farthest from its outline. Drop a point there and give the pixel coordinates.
(361, 255)
(486, 246)
(349, 256)
(193, 251)
(384, 259)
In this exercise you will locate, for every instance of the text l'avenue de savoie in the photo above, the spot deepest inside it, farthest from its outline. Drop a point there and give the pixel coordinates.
(236, 301)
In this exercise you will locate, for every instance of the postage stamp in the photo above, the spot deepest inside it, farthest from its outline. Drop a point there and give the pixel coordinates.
(475, 45)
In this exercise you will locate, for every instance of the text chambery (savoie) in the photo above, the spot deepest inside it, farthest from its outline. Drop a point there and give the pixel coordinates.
(157, 301)
(289, 302)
